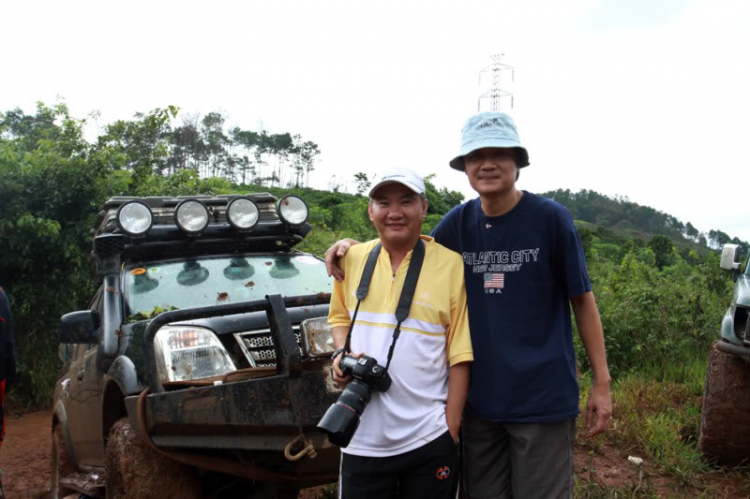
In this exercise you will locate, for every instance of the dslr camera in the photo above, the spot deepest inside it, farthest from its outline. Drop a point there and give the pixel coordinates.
(342, 419)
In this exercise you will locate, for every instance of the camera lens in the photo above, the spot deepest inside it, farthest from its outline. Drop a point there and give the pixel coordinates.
(342, 419)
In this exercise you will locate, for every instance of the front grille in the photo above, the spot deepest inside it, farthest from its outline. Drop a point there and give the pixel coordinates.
(258, 347)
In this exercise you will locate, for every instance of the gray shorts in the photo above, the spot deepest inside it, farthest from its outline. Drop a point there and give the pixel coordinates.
(516, 460)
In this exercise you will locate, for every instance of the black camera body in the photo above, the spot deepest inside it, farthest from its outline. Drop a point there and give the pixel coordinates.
(367, 370)
(342, 419)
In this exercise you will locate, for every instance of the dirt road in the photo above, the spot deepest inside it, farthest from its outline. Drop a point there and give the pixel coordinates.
(25, 455)
(25, 462)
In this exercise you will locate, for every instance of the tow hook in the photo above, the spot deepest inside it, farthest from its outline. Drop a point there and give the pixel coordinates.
(307, 448)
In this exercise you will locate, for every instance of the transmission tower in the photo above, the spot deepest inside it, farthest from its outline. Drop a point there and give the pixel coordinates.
(495, 95)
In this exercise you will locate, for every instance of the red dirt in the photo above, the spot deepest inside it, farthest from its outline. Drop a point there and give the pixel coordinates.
(25, 461)
(25, 455)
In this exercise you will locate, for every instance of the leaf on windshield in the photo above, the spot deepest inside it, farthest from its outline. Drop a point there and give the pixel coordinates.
(250, 284)
(149, 314)
(222, 296)
(269, 263)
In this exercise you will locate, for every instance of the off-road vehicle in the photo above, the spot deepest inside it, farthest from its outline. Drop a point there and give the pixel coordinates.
(202, 365)
(725, 422)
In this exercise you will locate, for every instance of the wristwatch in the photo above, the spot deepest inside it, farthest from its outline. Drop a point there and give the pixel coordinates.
(336, 353)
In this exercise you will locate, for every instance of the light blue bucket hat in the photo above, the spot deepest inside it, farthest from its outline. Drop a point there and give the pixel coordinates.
(489, 130)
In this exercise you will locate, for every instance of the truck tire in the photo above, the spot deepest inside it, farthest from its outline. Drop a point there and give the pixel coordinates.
(134, 471)
(725, 420)
(61, 463)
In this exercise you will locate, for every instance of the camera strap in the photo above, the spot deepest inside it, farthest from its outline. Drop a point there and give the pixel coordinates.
(407, 292)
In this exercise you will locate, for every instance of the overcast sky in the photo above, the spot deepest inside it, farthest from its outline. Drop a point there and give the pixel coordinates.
(648, 99)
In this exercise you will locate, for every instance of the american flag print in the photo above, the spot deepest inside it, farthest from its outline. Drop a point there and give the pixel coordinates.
(492, 280)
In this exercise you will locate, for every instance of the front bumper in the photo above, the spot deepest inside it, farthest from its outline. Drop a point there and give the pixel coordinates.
(256, 414)
(732, 349)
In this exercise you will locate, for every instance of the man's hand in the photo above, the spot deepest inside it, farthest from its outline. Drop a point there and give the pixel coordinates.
(458, 387)
(338, 374)
(333, 255)
(600, 406)
(453, 429)
(592, 336)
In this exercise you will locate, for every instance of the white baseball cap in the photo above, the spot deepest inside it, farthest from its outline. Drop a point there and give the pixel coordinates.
(404, 176)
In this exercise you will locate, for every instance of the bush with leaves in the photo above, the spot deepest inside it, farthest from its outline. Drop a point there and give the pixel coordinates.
(650, 315)
(51, 191)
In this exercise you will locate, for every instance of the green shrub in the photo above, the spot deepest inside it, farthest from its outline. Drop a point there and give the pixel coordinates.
(650, 315)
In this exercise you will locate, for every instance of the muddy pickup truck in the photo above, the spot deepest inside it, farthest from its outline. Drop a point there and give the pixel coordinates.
(202, 364)
(725, 420)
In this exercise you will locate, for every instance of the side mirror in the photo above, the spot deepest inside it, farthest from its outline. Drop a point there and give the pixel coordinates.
(80, 327)
(730, 257)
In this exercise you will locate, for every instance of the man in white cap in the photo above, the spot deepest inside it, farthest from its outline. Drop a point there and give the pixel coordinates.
(524, 268)
(405, 445)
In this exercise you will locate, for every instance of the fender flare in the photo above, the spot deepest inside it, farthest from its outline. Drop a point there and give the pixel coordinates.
(124, 374)
(120, 381)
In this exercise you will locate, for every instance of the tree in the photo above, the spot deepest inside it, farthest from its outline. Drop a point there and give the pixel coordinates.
(187, 146)
(140, 145)
(440, 201)
(691, 231)
(662, 247)
(718, 238)
(309, 153)
(216, 142)
(52, 184)
(360, 179)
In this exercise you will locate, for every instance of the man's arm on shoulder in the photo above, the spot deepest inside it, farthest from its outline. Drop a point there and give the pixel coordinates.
(592, 335)
(333, 255)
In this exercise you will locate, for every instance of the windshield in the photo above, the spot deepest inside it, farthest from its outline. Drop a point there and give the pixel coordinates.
(157, 286)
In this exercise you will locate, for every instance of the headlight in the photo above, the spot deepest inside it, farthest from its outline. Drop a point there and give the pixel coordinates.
(292, 210)
(134, 218)
(243, 213)
(185, 353)
(317, 337)
(191, 216)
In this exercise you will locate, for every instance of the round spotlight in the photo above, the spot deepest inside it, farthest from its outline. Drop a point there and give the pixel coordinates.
(292, 210)
(134, 218)
(191, 216)
(243, 213)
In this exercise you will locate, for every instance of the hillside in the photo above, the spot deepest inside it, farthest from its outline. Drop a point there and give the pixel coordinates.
(628, 220)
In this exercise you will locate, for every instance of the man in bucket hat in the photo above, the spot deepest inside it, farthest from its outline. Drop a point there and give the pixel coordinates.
(524, 268)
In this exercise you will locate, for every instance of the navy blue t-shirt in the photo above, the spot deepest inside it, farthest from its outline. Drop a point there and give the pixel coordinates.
(521, 269)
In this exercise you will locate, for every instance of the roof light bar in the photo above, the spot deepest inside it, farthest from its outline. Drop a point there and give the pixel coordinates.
(134, 218)
(243, 214)
(292, 210)
(191, 216)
